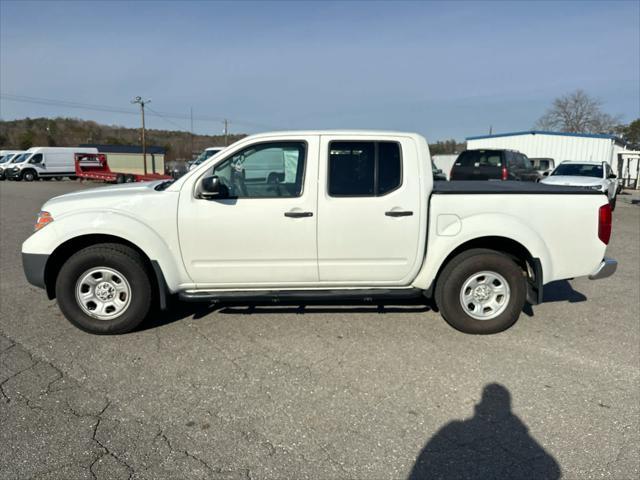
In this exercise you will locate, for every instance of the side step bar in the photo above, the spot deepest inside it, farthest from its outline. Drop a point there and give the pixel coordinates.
(303, 296)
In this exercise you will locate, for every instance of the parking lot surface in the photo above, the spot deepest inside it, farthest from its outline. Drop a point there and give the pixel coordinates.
(320, 392)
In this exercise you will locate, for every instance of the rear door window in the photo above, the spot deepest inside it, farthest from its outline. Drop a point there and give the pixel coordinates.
(364, 169)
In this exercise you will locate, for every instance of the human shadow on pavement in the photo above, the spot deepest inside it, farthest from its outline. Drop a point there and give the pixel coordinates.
(494, 444)
(559, 291)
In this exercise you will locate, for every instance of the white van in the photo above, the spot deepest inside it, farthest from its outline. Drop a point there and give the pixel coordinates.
(5, 159)
(206, 153)
(45, 162)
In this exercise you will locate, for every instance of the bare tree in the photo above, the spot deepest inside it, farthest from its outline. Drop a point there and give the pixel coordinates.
(577, 112)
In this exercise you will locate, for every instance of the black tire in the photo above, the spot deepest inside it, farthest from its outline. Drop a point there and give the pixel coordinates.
(461, 268)
(129, 179)
(29, 175)
(118, 257)
(119, 178)
(59, 178)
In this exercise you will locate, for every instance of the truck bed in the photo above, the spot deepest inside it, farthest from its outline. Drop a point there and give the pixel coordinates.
(460, 187)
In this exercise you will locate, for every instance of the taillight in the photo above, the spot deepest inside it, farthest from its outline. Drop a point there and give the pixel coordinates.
(505, 173)
(604, 223)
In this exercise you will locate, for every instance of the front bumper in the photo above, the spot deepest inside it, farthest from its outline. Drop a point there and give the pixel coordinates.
(11, 173)
(606, 268)
(34, 265)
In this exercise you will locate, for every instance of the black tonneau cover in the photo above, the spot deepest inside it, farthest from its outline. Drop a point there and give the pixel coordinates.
(477, 187)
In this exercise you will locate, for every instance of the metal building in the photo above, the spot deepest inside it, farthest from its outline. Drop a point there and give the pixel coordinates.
(561, 146)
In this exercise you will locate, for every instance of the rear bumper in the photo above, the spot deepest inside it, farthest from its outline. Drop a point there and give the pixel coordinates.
(606, 268)
(34, 265)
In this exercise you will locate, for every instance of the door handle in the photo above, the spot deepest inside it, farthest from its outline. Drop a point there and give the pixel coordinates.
(298, 214)
(398, 213)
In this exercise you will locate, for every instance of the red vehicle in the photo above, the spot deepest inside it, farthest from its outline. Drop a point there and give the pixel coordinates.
(94, 166)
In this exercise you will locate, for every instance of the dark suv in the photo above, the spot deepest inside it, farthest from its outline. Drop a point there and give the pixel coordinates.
(494, 165)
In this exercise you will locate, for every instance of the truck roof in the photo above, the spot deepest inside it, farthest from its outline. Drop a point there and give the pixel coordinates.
(338, 132)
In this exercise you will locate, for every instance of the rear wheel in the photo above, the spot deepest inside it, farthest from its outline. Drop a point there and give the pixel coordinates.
(129, 179)
(58, 178)
(104, 289)
(481, 291)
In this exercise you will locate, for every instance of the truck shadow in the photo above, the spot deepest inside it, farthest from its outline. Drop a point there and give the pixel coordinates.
(180, 310)
(495, 443)
(560, 291)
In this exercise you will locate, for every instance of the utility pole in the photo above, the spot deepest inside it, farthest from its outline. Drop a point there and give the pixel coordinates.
(142, 103)
(226, 132)
(191, 152)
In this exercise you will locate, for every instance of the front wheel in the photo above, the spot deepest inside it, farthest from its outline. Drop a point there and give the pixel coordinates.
(481, 291)
(29, 175)
(104, 289)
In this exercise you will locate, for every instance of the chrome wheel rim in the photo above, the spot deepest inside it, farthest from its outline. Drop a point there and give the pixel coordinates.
(485, 295)
(103, 293)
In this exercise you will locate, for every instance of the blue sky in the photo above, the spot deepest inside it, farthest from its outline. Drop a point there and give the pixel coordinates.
(441, 69)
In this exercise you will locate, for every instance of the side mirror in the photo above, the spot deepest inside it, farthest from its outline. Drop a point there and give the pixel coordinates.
(546, 174)
(210, 187)
(612, 175)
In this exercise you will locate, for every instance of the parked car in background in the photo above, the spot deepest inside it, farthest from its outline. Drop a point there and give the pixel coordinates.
(45, 162)
(494, 165)
(438, 174)
(355, 217)
(596, 175)
(544, 166)
(176, 168)
(5, 159)
(206, 153)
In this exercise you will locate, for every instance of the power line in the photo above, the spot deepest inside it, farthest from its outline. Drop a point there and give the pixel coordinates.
(168, 120)
(111, 109)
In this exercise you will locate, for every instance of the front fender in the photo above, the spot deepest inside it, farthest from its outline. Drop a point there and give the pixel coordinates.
(161, 249)
(475, 227)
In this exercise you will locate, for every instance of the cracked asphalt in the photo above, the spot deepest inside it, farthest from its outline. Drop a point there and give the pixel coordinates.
(320, 392)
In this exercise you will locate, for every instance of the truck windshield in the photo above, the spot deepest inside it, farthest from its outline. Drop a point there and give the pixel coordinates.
(6, 158)
(579, 169)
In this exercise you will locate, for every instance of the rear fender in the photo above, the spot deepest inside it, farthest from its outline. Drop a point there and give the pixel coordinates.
(475, 227)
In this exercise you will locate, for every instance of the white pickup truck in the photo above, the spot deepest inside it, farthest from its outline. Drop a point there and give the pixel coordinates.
(352, 216)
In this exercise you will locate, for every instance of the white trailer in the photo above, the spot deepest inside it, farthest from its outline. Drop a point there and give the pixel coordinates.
(560, 146)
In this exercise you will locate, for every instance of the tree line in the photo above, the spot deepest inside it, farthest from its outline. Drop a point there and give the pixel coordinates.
(69, 132)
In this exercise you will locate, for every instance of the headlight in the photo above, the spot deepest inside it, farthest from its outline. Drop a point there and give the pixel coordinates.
(44, 218)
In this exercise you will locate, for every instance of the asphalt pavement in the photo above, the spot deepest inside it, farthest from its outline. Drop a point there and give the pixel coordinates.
(361, 392)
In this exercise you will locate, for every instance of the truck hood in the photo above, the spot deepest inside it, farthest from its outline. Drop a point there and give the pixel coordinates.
(576, 181)
(121, 197)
